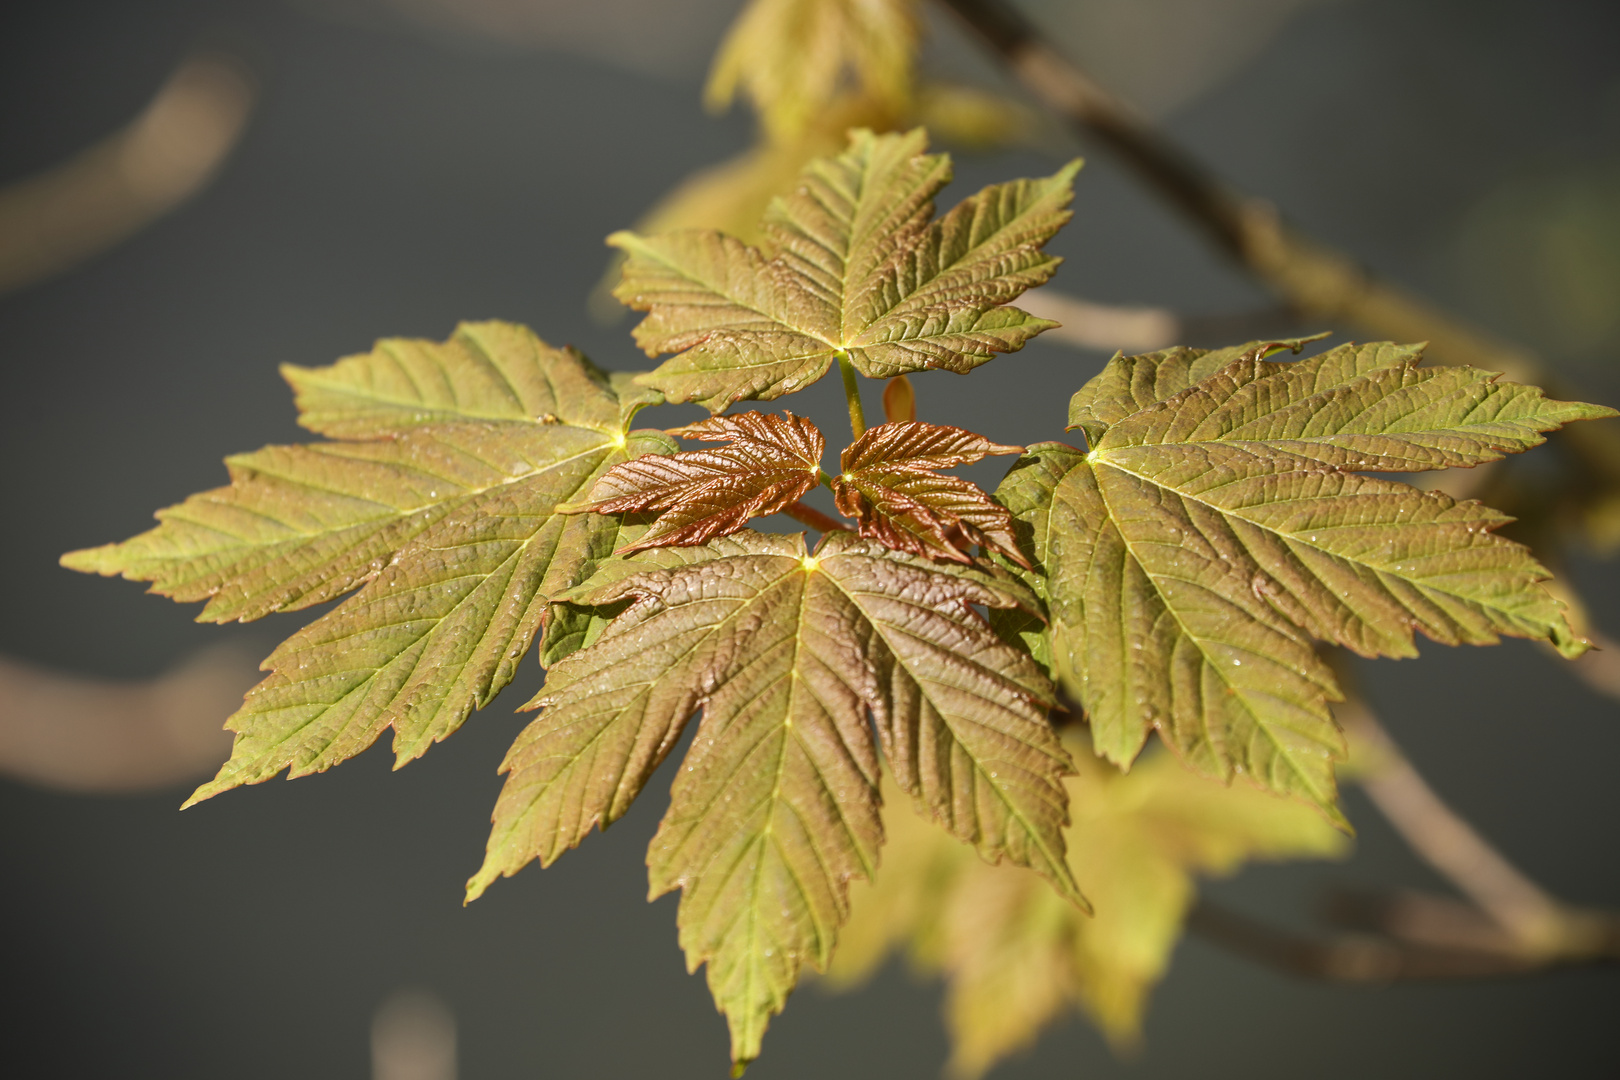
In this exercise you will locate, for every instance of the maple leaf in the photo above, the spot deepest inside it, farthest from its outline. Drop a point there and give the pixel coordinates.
(439, 503)
(1015, 956)
(860, 274)
(775, 808)
(1220, 521)
(792, 56)
(771, 462)
(889, 484)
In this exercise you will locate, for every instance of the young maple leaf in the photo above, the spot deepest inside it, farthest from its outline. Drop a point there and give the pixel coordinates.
(439, 502)
(790, 57)
(771, 462)
(1015, 957)
(859, 272)
(890, 486)
(1190, 557)
(776, 805)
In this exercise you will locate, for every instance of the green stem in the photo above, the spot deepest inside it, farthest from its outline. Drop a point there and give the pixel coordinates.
(852, 392)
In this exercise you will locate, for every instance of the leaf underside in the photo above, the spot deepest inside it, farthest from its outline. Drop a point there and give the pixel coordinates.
(775, 808)
(439, 505)
(859, 270)
(1221, 521)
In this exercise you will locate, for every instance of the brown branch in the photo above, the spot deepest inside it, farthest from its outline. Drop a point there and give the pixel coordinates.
(1535, 923)
(1316, 281)
(1111, 327)
(809, 515)
(1357, 958)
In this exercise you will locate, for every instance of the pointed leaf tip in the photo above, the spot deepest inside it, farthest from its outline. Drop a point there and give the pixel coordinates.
(859, 271)
(890, 484)
(1223, 517)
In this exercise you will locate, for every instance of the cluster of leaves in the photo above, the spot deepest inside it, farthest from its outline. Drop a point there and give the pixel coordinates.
(1172, 576)
(1015, 955)
(813, 69)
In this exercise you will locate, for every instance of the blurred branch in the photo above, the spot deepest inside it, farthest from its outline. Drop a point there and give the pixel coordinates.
(1111, 328)
(92, 736)
(172, 149)
(1316, 281)
(1529, 920)
(1358, 958)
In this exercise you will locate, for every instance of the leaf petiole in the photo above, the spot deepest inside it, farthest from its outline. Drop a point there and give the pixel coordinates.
(852, 392)
(809, 515)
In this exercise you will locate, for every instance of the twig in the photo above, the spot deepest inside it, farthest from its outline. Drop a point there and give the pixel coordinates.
(1356, 958)
(809, 515)
(1538, 924)
(1110, 327)
(114, 188)
(1316, 281)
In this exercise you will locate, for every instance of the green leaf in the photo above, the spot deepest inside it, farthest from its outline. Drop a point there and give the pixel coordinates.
(775, 807)
(858, 270)
(1193, 554)
(486, 371)
(1129, 383)
(1015, 956)
(791, 58)
(446, 514)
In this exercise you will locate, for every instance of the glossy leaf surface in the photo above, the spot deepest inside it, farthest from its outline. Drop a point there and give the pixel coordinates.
(890, 484)
(858, 270)
(775, 807)
(1190, 558)
(769, 463)
(439, 504)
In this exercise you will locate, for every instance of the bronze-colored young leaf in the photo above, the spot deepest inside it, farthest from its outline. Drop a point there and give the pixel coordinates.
(858, 271)
(890, 485)
(1193, 554)
(441, 502)
(1016, 958)
(775, 807)
(770, 462)
(792, 58)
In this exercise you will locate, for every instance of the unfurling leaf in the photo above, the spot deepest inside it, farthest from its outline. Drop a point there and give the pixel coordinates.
(890, 485)
(899, 401)
(792, 57)
(700, 494)
(1015, 956)
(776, 805)
(1220, 522)
(859, 271)
(440, 501)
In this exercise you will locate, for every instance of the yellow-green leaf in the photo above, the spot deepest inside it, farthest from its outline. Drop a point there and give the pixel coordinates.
(793, 57)
(858, 270)
(1218, 525)
(1015, 956)
(775, 807)
(441, 502)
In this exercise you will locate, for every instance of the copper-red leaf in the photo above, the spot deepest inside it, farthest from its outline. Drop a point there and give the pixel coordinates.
(890, 485)
(769, 463)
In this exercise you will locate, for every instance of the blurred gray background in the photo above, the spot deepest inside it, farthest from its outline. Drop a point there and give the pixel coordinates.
(415, 162)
